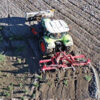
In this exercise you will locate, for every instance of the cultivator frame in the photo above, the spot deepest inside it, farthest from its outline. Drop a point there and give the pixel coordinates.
(62, 60)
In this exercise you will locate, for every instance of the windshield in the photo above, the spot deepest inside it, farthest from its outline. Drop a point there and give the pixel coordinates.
(56, 35)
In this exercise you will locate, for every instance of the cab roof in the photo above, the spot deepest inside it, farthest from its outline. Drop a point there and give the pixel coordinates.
(56, 26)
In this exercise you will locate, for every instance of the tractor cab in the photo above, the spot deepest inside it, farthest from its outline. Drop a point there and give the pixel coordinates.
(54, 28)
(56, 34)
(52, 33)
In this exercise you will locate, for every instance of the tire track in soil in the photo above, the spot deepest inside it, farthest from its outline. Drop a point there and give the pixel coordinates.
(95, 13)
(94, 3)
(80, 12)
(25, 5)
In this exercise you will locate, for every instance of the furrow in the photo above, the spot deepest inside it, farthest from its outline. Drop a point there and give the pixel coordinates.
(94, 3)
(81, 13)
(87, 8)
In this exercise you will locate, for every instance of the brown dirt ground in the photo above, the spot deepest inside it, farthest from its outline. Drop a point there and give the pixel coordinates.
(22, 53)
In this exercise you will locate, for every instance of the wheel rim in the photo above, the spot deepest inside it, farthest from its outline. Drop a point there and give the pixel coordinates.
(42, 47)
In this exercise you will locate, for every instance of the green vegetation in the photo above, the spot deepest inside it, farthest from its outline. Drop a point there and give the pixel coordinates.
(39, 77)
(20, 49)
(88, 78)
(22, 98)
(25, 91)
(7, 75)
(16, 37)
(11, 38)
(1, 28)
(1, 38)
(2, 57)
(6, 93)
(66, 83)
(20, 85)
(36, 84)
(10, 87)
(33, 95)
(19, 60)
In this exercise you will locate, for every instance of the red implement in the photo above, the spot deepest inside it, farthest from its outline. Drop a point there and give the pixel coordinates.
(62, 60)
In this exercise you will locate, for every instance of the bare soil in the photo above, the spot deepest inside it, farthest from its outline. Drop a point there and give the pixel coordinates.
(22, 51)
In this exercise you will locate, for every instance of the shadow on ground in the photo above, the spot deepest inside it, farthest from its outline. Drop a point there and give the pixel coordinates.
(16, 41)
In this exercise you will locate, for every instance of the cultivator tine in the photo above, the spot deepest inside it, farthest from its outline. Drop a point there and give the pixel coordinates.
(90, 65)
(64, 69)
(44, 71)
(73, 68)
(64, 61)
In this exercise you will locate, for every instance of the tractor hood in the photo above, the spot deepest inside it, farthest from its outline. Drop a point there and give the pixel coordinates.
(56, 26)
(66, 39)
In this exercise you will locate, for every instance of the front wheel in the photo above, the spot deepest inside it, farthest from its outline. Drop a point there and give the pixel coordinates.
(69, 49)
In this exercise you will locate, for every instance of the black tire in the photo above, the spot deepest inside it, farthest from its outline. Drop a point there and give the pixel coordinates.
(69, 49)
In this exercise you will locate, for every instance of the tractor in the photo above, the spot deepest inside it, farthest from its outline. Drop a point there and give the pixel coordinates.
(52, 34)
(54, 39)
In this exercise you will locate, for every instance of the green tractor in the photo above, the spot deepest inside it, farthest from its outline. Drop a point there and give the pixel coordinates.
(52, 34)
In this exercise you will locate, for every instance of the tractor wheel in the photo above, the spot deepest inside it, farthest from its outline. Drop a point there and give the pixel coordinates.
(69, 49)
(42, 46)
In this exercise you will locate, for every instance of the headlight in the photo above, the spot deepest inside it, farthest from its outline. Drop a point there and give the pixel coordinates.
(51, 45)
(69, 43)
